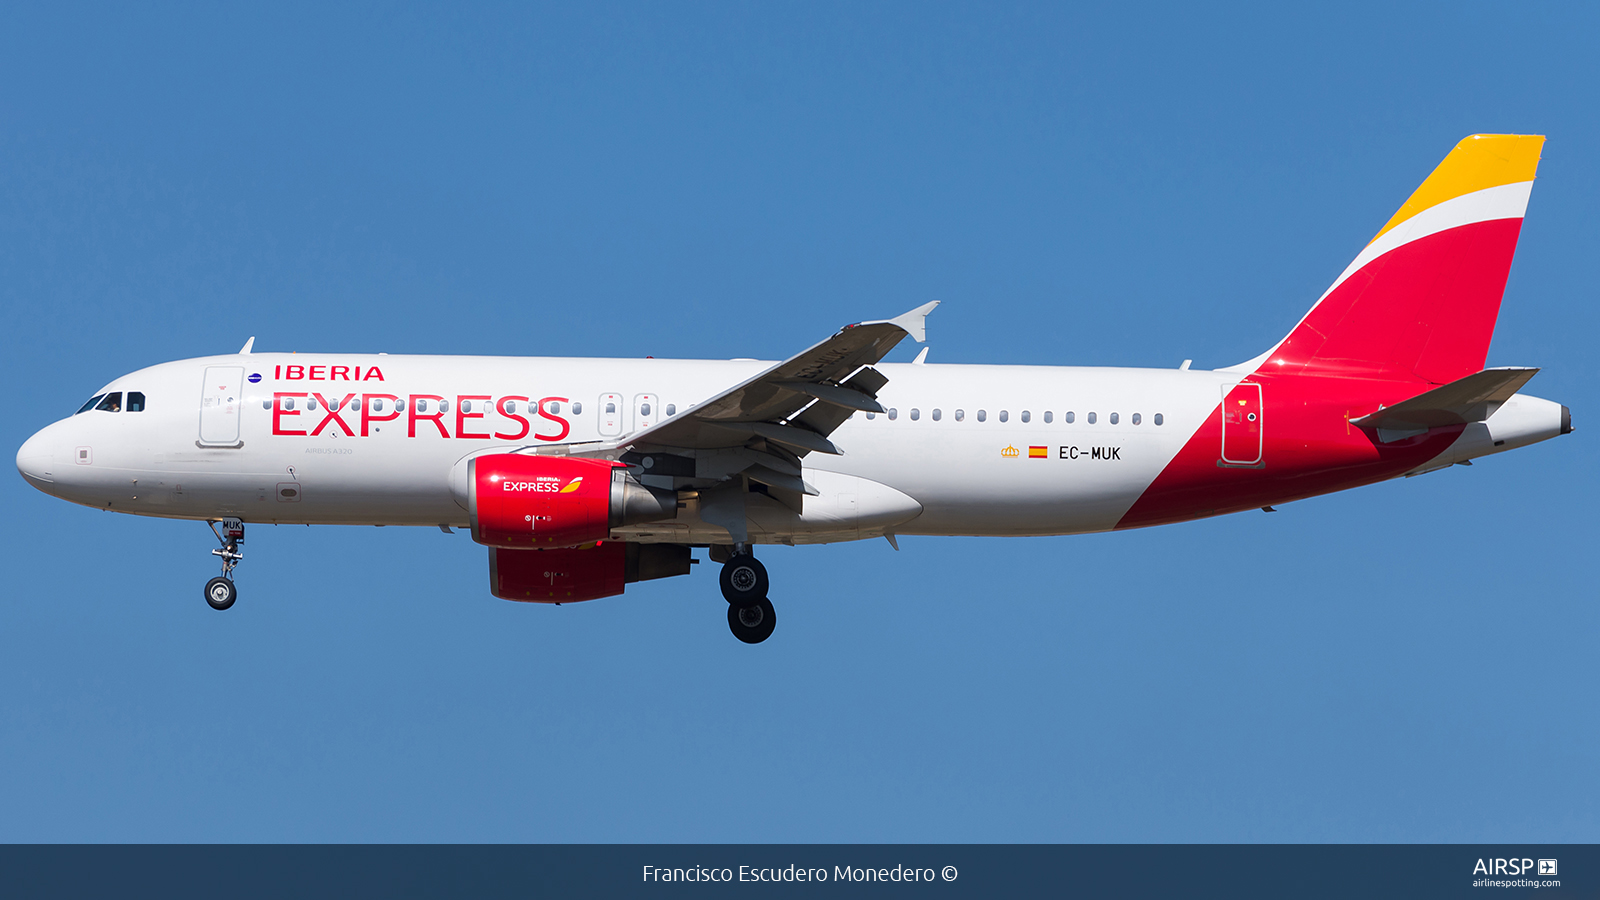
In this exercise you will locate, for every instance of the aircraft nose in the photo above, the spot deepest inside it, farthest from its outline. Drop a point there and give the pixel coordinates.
(36, 459)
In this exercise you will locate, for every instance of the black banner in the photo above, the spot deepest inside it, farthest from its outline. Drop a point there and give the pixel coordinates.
(803, 870)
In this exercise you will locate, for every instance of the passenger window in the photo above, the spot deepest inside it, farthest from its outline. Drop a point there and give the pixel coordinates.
(983, 414)
(915, 414)
(135, 401)
(1004, 415)
(960, 414)
(355, 405)
(872, 415)
(1048, 417)
(1135, 418)
(1025, 417)
(288, 403)
(1113, 418)
(893, 414)
(1069, 417)
(577, 408)
(644, 409)
(90, 405)
(112, 402)
(1158, 418)
(672, 409)
(377, 404)
(266, 404)
(1091, 418)
(936, 415)
(400, 406)
(611, 408)
(466, 406)
(444, 406)
(311, 404)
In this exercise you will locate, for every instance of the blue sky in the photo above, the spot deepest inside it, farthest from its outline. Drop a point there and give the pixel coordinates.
(1412, 661)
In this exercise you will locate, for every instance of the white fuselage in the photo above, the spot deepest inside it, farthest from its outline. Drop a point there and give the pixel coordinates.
(952, 455)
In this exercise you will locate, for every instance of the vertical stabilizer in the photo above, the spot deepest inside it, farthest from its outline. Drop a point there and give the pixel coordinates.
(1420, 301)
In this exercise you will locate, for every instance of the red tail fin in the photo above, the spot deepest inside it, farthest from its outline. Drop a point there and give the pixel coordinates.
(1420, 302)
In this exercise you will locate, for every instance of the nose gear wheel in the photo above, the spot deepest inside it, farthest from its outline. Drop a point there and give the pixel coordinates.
(220, 591)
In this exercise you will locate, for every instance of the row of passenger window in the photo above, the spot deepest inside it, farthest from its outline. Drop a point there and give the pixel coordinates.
(1005, 416)
(112, 402)
(511, 406)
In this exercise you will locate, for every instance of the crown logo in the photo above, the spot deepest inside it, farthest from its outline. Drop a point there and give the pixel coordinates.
(1010, 453)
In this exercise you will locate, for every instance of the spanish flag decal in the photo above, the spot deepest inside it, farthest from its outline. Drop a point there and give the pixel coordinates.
(573, 485)
(1038, 452)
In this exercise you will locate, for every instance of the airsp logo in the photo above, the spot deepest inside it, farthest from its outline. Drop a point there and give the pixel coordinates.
(1512, 867)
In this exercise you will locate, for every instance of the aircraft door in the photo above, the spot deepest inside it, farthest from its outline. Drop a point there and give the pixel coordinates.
(611, 415)
(221, 402)
(646, 411)
(1241, 424)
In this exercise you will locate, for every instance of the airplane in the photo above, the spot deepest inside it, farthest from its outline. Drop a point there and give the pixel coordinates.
(582, 476)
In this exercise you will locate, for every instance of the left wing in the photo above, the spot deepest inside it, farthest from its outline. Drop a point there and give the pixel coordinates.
(796, 403)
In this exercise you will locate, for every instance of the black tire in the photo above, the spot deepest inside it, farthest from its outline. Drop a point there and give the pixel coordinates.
(744, 579)
(220, 593)
(752, 622)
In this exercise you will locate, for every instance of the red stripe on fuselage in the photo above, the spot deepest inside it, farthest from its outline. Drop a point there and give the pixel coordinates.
(1308, 448)
(1418, 316)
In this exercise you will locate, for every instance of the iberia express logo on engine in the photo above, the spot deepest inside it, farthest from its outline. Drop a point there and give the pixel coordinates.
(543, 484)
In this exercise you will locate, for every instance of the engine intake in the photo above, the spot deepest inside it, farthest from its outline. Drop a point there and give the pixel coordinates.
(521, 502)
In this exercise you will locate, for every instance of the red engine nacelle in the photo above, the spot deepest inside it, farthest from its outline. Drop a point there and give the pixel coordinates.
(558, 576)
(570, 574)
(521, 502)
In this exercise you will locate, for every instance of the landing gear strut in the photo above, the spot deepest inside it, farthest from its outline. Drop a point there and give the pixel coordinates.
(751, 617)
(220, 592)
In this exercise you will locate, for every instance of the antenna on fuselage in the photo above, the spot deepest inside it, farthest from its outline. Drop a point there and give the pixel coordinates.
(245, 350)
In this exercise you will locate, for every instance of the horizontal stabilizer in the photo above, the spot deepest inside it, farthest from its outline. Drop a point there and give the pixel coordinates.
(1471, 399)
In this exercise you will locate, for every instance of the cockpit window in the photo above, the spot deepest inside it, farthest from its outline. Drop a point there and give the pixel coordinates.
(135, 401)
(112, 402)
(90, 405)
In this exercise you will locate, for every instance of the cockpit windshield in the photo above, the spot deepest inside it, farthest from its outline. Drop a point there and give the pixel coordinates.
(112, 402)
(90, 405)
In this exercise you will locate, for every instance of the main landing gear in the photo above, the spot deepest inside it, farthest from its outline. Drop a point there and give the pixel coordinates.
(751, 617)
(220, 592)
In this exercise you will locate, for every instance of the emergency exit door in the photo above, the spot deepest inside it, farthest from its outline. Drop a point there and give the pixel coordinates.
(1241, 424)
(646, 411)
(221, 401)
(610, 415)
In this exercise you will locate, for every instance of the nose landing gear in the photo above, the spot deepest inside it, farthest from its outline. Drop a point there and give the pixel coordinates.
(220, 592)
(751, 617)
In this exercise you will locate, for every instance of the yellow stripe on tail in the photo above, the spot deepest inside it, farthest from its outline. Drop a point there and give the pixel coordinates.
(1478, 162)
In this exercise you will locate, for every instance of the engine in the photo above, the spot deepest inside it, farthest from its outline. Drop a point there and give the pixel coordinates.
(570, 574)
(541, 502)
